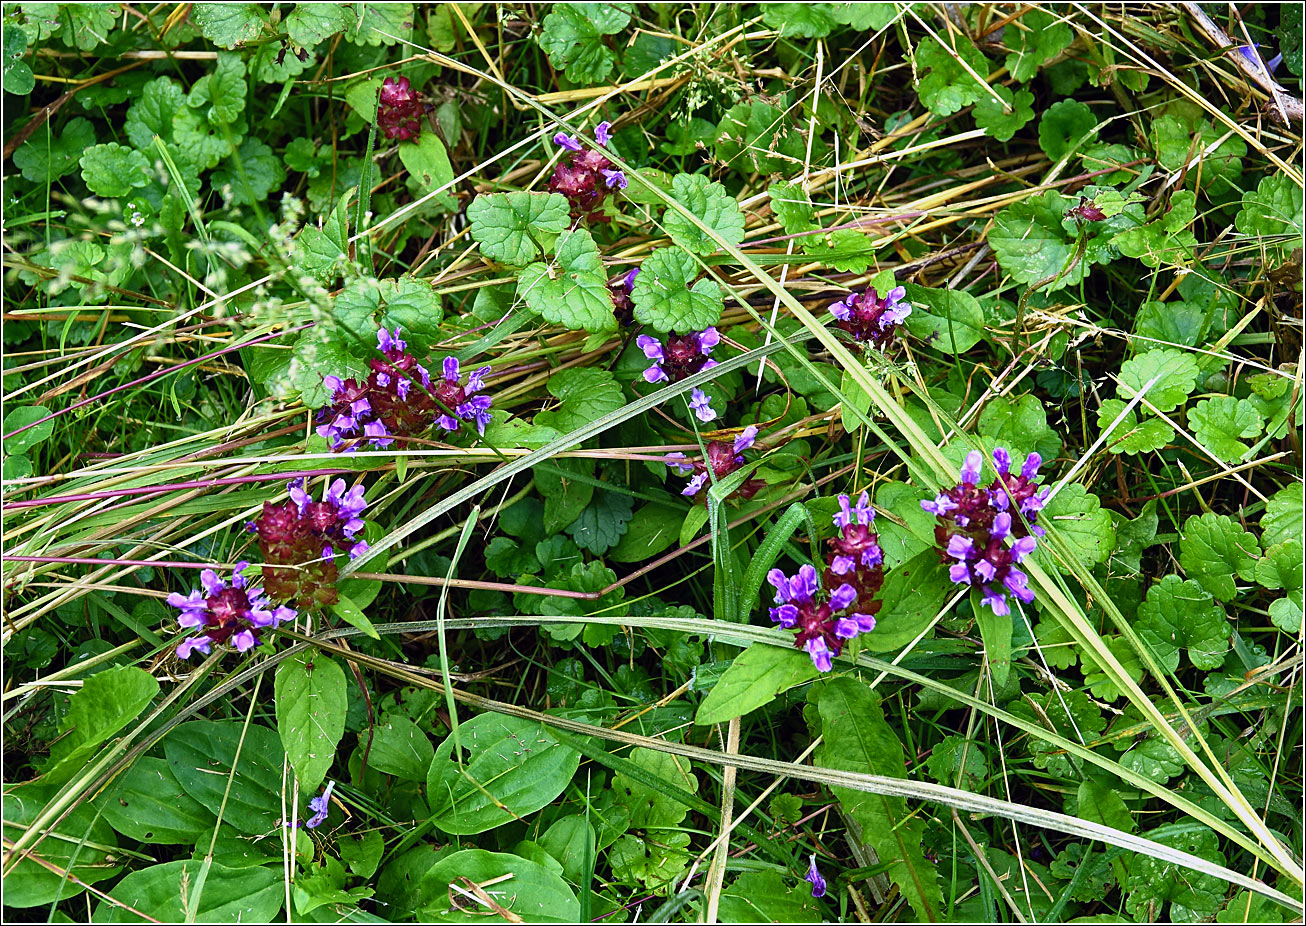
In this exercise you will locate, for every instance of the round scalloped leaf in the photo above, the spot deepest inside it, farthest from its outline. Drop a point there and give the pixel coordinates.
(572, 289)
(1283, 516)
(1179, 613)
(1175, 373)
(1128, 435)
(1079, 520)
(1220, 423)
(664, 298)
(1213, 549)
(711, 203)
(503, 223)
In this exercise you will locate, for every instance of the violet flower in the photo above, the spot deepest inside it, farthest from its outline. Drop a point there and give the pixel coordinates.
(682, 356)
(462, 399)
(230, 613)
(701, 404)
(803, 604)
(870, 317)
(856, 557)
(388, 403)
(814, 878)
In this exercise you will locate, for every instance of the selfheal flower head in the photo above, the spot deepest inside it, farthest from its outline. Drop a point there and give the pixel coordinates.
(723, 458)
(230, 613)
(586, 176)
(811, 608)
(392, 402)
(681, 356)
(399, 110)
(623, 306)
(974, 524)
(855, 557)
(462, 399)
(872, 318)
(300, 537)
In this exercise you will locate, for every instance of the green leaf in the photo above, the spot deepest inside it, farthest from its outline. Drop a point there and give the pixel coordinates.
(310, 701)
(995, 632)
(759, 136)
(585, 394)
(229, 24)
(362, 854)
(569, 840)
(858, 739)
(1102, 684)
(1098, 803)
(957, 762)
(1064, 127)
(87, 25)
(17, 73)
(151, 112)
(651, 807)
(258, 173)
(664, 298)
(1177, 372)
(1280, 567)
(1167, 238)
(1282, 520)
(198, 143)
(1213, 549)
(82, 847)
(1071, 714)
(1079, 520)
(572, 37)
(755, 678)
(427, 162)
(912, 595)
(1220, 423)
(170, 893)
(21, 417)
(602, 523)
(711, 203)
(1035, 39)
(148, 804)
(537, 895)
(1178, 324)
(1030, 243)
(1151, 883)
(43, 158)
(114, 170)
(1019, 422)
(768, 896)
(378, 24)
(351, 613)
(651, 529)
(412, 306)
(1275, 211)
(510, 767)
(792, 207)
(564, 497)
(400, 748)
(106, 702)
(1179, 613)
(799, 20)
(505, 224)
(866, 16)
(224, 88)
(1128, 436)
(946, 85)
(1003, 123)
(310, 23)
(202, 753)
(571, 290)
(948, 319)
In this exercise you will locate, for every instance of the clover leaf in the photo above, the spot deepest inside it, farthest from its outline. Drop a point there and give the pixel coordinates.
(1213, 550)
(664, 298)
(571, 290)
(711, 203)
(507, 225)
(1179, 613)
(1220, 423)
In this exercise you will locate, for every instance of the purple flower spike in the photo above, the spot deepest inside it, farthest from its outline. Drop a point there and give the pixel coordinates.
(682, 356)
(814, 878)
(227, 613)
(603, 133)
(871, 318)
(563, 140)
(806, 605)
(702, 405)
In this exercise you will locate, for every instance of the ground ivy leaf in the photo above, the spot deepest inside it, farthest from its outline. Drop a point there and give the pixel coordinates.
(1274, 209)
(506, 559)
(1098, 803)
(1177, 371)
(224, 88)
(711, 203)
(799, 20)
(947, 319)
(506, 225)
(310, 23)
(1280, 567)
(572, 37)
(571, 290)
(1283, 515)
(664, 298)
(151, 112)
(1177, 323)
(1179, 613)
(18, 76)
(1002, 123)
(88, 24)
(1151, 883)
(1030, 243)
(586, 394)
(792, 207)
(1096, 678)
(1220, 423)
(1213, 549)
(947, 86)
(229, 24)
(114, 170)
(259, 173)
(380, 24)
(42, 158)
(1019, 422)
(957, 762)
(602, 523)
(759, 135)
(1077, 517)
(1034, 39)
(1063, 128)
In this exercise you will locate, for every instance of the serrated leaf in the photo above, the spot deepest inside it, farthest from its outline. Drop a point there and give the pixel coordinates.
(585, 393)
(503, 223)
(571, 290)
(1002, 123)
(664, 298)
(1128, 435)
(1019, 422)
(1064, 127)
(1079, 520)
(88, 25)
(1030, 243)
(947, 319)
(945, 85)
(651, 807)
(310, 23)
(224, 88)
(1178, 613)
(792, 207)
(18, 78)
(799, 20)
(602, 523)
(1221, 423)
(259, 173)
(151, 112)
(1152, 891)
(114, 170)
(755, 678)
(957, 762)
(1274, 210)
(43, 158)
(1282, 519)
(379, 24)
(229, 24)
(1213, 550)
(1035, 38)
(711, 203)
(1097, 679)
(761, 136)
(1177, 372)
(572, 37)
(311, 698)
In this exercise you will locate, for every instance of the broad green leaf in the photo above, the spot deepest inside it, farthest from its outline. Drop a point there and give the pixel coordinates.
(1283, 516)
(310, 23)
(652, 528)
(912, 595)
(1071, 714)
(1179, 613)
(18, 76)
(352, 613)
(82, 845)
(1065, 126)
(666, 301)
(1099, 804)
(866, 16)
(412, 306)
(43, 158)
(1019, 422)
(114, 170)
(791, 207)
(585, 394)
(1223, 425)
(148, 804)
(106, 702)
(651, 807)
(569, 840)
(947, 319)
(572, 289)
(400, 748)
(1035, 38)
(507, 226)
(1031, 245)
(1274, 211)
(363, 853)
(768, 896)
(602, 523)
(1003, 123)
(87, 25)
(1167, 238)
(858, 739)
(760, 136)
(1178, 377)
(201, 754)
(995, 633)
(1177, 323)
(510, 767)
(564, 497)
(258, 173)
(572, 37)
(311, 701)
(427, 161)
(1154, 893)
(378, 24)
(1213, 550)
(21, 417)
(536, 895)
(229, 24)
(224, 89)
(1281, 567)
(170, 893)
(1129, 435)
(1079, 520)
(754, 679)
(944, 84)
(713, 205)
(799, 20)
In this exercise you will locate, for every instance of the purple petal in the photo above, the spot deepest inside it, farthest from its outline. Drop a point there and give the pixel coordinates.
(781, 583)
(985, 570)
(821, 658)
(563, 140)
(845, 628)
(1002, 460)
(842, 597)
(1030, 468)
(451, 369)
(476, 380)
(603, 133)
(842, 565)
(614, 179)
(960, 547)
(745, 439)
(708, 338)
(695, 484)
(996, 601)
(1016, 583)
(1022, 548)
(813, 876)
(702, 405)
(201, 643)
(786, 615)
(959, 573)
(629, 281)
(1001, 526)
(844, 516)
(865, 622)
(677, 462)
(333, 384)
(970, 470)
(841, 311)
(863, 509)
(805, 583)
(243, 640)
(212, 584)
(651, 347)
